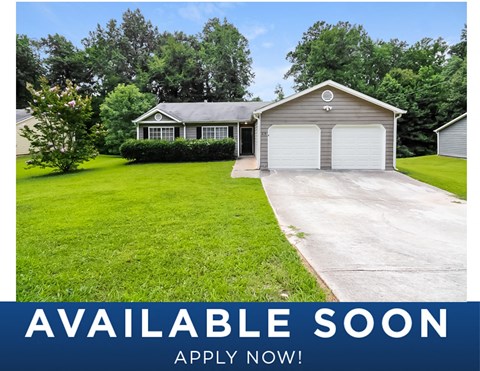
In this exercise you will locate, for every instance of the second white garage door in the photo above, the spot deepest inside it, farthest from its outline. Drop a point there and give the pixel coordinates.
(358, 147)
(294, 147)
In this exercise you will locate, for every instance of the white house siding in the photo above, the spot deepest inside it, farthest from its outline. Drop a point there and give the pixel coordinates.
(23, 144)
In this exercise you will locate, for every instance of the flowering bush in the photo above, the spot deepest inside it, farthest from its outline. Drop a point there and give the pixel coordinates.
(59, 139)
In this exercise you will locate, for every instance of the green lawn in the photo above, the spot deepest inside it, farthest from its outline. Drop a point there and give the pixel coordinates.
(447, 173)
(152, 232)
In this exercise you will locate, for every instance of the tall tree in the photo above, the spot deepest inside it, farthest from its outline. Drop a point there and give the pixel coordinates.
(118, 53)
(460, 49)
(65, 62)
(226, 62)
(121, 106)
(175, 72)
(334, 52)
(426, 52)
(29, 69)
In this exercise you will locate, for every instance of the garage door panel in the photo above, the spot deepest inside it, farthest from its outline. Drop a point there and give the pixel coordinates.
(359, 147)
(294, 147)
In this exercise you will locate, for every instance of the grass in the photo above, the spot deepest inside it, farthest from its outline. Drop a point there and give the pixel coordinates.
(447, 173)
(152, 232)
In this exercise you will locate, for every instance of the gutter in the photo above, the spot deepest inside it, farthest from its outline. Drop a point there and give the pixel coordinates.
(396, 116)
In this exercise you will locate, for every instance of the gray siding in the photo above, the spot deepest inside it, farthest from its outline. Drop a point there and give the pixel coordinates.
(452, 141)
(346, 109)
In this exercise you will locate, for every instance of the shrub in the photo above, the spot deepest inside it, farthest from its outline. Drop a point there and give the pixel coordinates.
(180, 150)
(59, 139)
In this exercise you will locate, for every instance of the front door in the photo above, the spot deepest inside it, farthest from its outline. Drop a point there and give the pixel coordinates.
(247, 141)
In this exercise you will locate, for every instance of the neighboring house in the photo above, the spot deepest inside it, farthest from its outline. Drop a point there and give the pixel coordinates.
(452, 138)
(24, 118)
(328, 126)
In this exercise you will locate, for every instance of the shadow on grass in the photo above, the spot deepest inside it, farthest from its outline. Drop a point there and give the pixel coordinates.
(54, 174)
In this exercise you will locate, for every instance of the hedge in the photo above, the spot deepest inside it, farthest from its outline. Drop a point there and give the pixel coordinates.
(180, 150)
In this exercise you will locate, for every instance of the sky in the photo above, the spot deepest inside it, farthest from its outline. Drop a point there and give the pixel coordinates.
(272, 29)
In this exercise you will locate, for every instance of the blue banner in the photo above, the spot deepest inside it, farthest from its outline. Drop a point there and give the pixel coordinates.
(239, 336)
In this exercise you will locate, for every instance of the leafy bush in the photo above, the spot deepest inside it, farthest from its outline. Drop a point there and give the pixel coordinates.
(180, 150)
(59, 139)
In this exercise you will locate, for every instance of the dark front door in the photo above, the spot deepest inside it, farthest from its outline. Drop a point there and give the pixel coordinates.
(247, 141)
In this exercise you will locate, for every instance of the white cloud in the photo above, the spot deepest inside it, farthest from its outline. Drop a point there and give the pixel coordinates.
(267, 77)
(253, 32)
(200, 12)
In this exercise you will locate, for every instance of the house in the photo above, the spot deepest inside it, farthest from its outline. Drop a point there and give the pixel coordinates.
(328, 126)
(23, 118)
(452, 138)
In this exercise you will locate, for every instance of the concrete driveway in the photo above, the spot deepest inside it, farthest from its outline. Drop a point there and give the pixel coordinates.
(374, 236)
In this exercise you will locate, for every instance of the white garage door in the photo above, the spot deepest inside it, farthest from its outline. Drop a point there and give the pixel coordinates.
(358, 147)
(294, 147)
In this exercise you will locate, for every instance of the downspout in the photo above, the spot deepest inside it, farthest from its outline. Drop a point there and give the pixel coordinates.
(395, 118)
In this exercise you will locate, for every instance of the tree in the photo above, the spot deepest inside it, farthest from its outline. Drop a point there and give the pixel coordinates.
(279, 92)
(175, 75)
(226, 62)
(426, 52)
(119, 53)
(121, 106)
(336, 52)
(29, 69)
(460, 49)
(60, 139)
(65, 62)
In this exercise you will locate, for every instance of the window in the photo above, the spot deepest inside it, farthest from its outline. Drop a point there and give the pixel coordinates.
(214, 132)
(161, 133)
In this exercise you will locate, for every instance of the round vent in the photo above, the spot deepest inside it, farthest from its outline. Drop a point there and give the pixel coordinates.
(158, 117)
(327, 95)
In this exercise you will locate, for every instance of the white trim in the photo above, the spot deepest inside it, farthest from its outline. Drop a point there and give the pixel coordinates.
(238, 139)
(451, 122)
(184, 131)
(438, 143)
(258, 143)
(325, 99)
(155, 110)
(215, 131)
(161, 133)
(384, 139)
(395, 118)
(334, 85)
(158, 122)
(296, 126)
(138, 131)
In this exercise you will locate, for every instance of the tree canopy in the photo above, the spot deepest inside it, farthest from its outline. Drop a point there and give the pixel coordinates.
(427, 78)
(122, 105)
(29, 69)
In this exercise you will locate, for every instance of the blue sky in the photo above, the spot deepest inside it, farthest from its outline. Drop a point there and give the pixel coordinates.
(272, 29)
